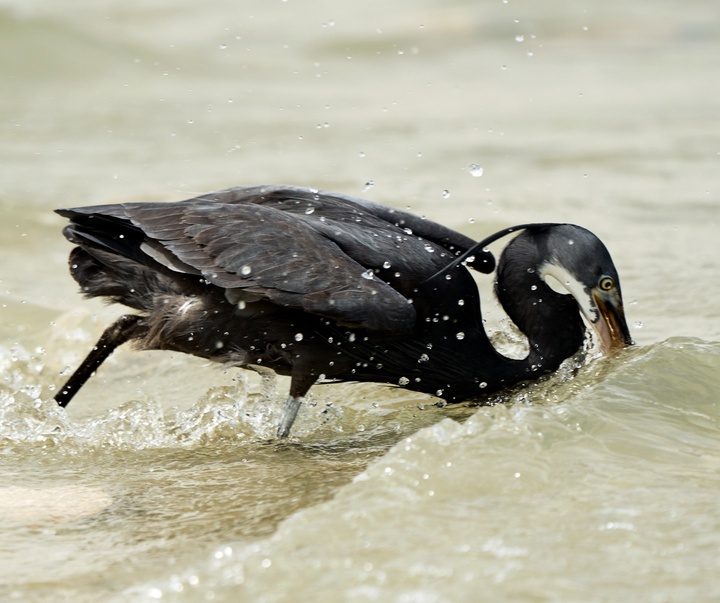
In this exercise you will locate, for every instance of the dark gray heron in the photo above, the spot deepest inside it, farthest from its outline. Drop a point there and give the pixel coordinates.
(326, 287)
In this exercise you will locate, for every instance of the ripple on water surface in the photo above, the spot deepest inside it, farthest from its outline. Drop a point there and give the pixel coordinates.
(599, 486)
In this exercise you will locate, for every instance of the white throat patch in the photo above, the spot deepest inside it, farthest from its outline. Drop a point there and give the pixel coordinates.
(574, 287)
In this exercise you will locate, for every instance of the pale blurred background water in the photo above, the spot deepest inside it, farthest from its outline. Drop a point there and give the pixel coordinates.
(162, 481)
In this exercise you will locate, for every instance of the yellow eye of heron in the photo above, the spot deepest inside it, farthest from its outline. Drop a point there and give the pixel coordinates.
(606, 283)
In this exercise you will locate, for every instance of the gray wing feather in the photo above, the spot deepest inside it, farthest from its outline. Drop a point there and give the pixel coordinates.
(324, 253)
(315, 205)
(269, 254)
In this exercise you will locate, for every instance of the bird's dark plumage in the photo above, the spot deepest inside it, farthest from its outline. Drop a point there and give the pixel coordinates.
(325, 286)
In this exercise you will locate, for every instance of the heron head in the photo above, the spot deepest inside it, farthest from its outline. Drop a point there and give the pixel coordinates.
(579, 261)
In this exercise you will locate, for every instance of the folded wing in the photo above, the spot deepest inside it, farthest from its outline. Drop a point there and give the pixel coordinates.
(352, 261)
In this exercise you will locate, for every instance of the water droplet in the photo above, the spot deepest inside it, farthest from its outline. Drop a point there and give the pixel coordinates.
(571, 242)
(387, 264)
(446, 194)
(351, 337)
(461, 302)
(298, 336)
(520, 38)
(429, 248)
(310, 210)
(245, 270)
(369, 184)
(533, 288)
(423, 358)
(475, 170)
(368, 274)
(483, 385)
(638, 324)
(361, 154)
(460, 335)
(403, 381)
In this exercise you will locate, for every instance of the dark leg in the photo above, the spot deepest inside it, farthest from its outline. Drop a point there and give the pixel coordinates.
(115, 335)
(290, 411)
(299, 386)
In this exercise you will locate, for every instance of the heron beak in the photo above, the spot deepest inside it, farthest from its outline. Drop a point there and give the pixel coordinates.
(610, 323)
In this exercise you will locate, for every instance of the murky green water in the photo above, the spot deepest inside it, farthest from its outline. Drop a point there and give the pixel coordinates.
(162, 480)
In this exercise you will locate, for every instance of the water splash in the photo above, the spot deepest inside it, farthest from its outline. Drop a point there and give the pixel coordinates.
(475, 170)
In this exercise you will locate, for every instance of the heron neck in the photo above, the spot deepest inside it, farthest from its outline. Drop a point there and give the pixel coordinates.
(550, 320)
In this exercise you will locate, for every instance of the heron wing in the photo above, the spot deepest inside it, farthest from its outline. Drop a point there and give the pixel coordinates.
(253, 252)
(321, 207)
